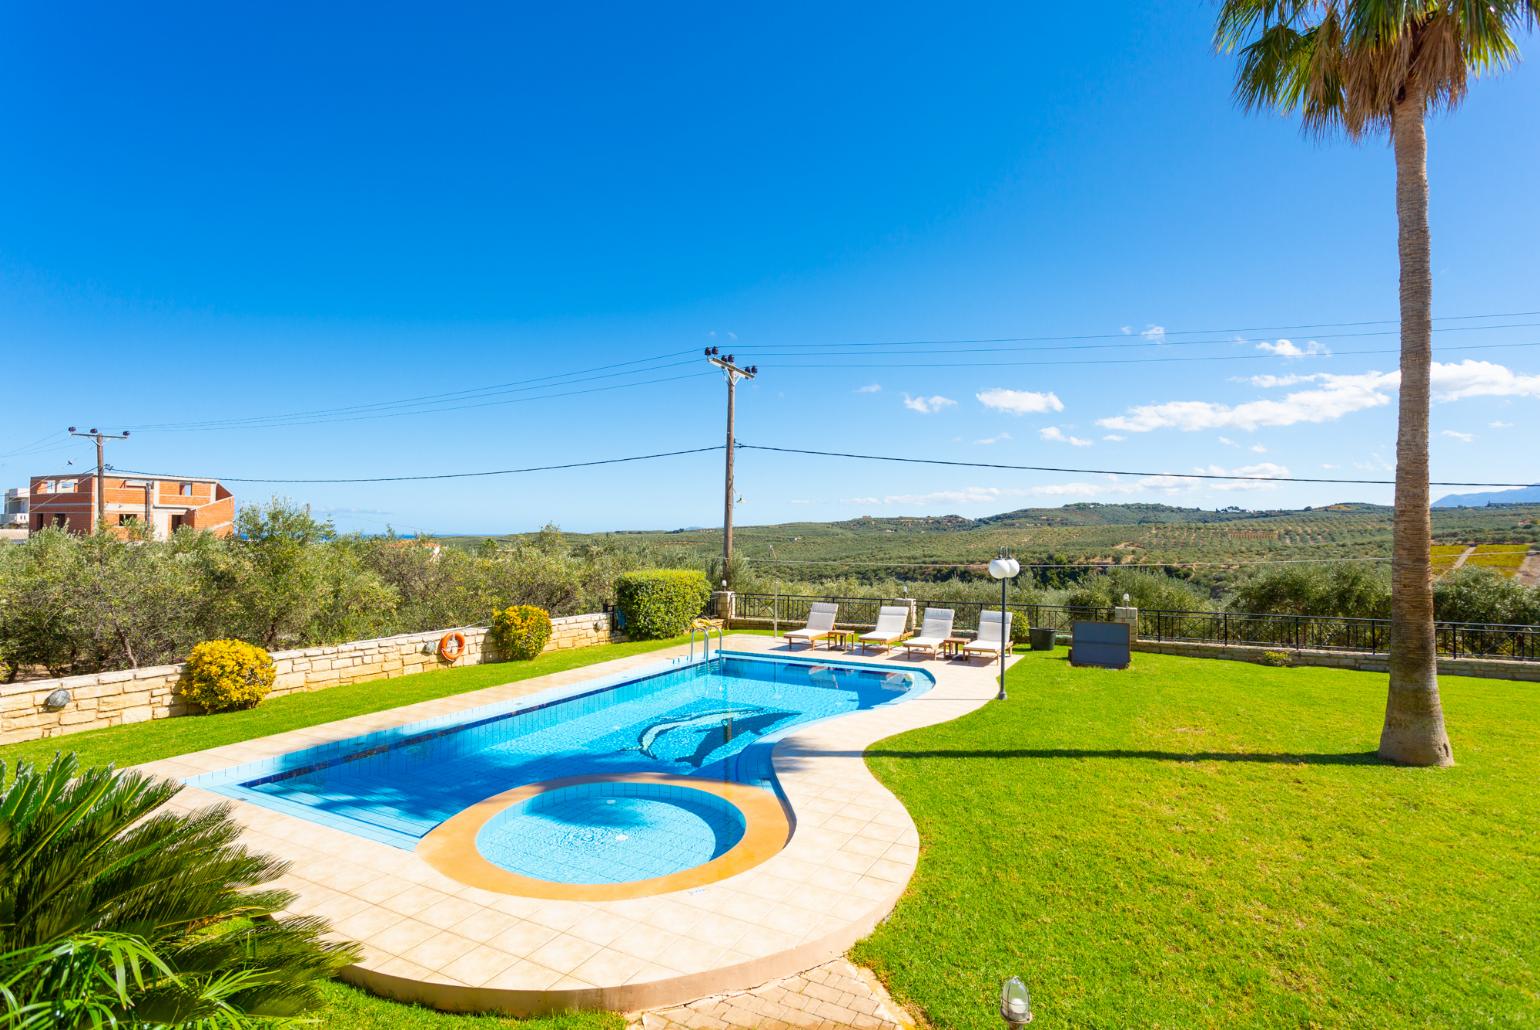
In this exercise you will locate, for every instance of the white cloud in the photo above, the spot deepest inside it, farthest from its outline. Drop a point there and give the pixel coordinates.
(1228, 442)
(1321, 405)
(870, 388)
(1332, 397)
(1471, 378)
(1154, 333)
(1057, 435)
(997, 438)
(1499, 425)
(1126, 330)
(1290, 349)
(1257, 448)
(1327, 467)
(1113, 438)
(1020, 402)
(927, 405)
(1457, 435)
(1261, 472)
(1268, 382)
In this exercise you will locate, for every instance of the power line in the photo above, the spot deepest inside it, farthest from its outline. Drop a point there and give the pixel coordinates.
(1163, 331)
(803, 451)
(406, 406)
(433, 475)
(46, 442)
(1130, 344)
(1094, 472)
(1134, 361)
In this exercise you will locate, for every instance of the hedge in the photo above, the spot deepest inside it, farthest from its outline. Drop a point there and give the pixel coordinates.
(659, 603)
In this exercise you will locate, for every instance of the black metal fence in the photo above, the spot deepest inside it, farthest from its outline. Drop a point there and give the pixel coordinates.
(1329, 633)
(1285, 632)
(793, 610)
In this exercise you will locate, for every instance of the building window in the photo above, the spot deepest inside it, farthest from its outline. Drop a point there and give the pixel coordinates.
(186, 489)
(128, 520)
(37, 522)
(47, 487)
(66, 486)
(62, 521)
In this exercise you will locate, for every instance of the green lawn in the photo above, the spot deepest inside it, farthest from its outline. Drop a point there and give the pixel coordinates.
(348, 1008)
(1201, 843)
(1189, 843)
(164, 738)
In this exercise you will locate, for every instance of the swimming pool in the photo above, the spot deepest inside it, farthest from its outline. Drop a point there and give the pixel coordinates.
(703, 721)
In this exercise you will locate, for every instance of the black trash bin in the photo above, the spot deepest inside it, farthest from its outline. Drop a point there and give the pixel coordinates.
(1041, 637)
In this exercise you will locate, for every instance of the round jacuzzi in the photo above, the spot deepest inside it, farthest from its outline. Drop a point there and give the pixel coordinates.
(611, 832)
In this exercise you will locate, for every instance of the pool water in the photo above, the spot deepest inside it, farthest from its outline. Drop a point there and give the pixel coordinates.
(715, 719)
(611, 832)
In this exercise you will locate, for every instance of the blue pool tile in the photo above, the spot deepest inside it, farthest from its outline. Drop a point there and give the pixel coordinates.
(396, 785)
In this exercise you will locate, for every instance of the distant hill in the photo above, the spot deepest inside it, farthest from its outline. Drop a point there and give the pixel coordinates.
(1524, 495)
(931, 546)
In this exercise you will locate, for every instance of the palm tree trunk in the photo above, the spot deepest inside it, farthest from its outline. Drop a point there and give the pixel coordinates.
(1414, 717)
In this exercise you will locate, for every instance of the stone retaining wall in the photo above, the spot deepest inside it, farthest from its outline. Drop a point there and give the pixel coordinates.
(139, 695)
(1489, 668)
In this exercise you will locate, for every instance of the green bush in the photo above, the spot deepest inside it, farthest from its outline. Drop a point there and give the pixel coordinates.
(659, 603)
(1347, 589)
(222, 675)
(1475, 594)
(520, 632)
(1277, 659)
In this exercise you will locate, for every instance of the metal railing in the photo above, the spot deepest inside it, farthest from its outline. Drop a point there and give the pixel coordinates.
(1285, 632)
(1333, 633)
(791, 610)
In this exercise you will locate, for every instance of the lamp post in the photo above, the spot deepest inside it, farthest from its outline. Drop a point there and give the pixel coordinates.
(1003, 568)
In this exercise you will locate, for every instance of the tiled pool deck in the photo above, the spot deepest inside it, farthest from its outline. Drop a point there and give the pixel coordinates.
(431, 939)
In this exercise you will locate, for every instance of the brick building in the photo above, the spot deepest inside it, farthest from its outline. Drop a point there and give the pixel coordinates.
(69, 502)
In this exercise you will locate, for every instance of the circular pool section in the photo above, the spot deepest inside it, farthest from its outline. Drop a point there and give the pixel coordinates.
(610, 832)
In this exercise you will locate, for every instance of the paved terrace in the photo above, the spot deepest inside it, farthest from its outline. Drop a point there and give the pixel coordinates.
(434, 940)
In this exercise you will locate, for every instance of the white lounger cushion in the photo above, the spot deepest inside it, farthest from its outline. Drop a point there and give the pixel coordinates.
(989, 632)
(937, 627)
(890, 624)
(820, 621)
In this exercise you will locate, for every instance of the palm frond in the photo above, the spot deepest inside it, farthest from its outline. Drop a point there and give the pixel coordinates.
(1345, 65)
(90, 852)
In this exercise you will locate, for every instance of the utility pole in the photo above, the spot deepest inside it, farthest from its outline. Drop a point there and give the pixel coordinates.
(101, 468)
(733, 374)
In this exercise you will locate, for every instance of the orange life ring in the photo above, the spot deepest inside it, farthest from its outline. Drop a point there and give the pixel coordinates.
(458, 640)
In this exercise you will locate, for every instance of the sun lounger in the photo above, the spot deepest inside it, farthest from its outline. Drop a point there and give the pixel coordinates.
(988, 641)
(890, 627)
(935, 630)
(820, 625)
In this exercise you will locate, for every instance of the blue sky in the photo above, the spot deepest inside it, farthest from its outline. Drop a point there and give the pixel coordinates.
(220, 214)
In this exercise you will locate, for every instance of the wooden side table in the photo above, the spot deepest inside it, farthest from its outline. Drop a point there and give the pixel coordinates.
(841, 638)
(952, 647)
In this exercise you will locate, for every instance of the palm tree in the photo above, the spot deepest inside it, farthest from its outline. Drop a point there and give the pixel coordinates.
(1365, 67)
(93, 877)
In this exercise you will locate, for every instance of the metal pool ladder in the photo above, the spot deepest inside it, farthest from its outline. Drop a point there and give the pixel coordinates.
(705, 627)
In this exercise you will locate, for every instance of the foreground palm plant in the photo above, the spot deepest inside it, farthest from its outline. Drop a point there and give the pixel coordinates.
(112, 911)
(1380, 66)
